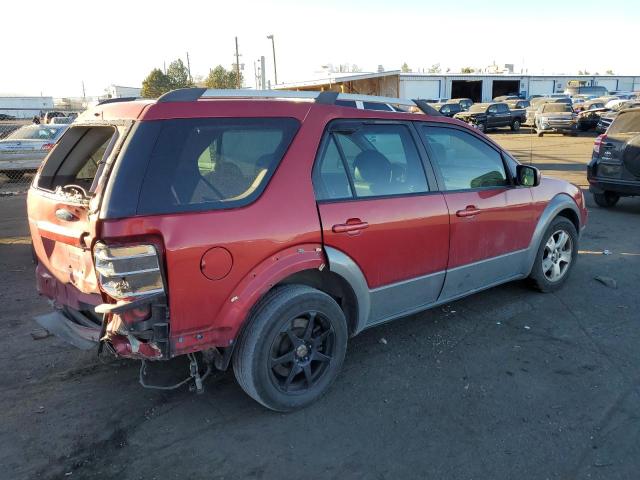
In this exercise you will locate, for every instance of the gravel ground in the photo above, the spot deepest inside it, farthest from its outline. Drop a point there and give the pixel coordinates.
(506, 384)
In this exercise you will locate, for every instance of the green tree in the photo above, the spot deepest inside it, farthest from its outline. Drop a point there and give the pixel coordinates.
(435, 68)
(467, 70)
(179, 75)
(609, 72)
(405, 68)
(219, 77)
(156, 84)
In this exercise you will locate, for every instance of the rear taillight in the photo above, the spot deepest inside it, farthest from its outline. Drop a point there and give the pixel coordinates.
(127, 272)
(598, 143)
(48, 146)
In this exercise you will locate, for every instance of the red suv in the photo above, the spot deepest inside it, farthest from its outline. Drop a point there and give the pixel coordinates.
(265, 232)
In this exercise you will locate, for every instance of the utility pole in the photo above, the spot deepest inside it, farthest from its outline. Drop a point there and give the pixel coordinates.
(263, 74)
(237, 65)
(275, 70)
(189, 69)
(84, 95)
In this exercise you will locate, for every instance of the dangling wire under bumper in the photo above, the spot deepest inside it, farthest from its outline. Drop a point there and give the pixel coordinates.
(194, 373)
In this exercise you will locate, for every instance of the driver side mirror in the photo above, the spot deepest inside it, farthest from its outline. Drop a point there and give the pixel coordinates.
(527, 176)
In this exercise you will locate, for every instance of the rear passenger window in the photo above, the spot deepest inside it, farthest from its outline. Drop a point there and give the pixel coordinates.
(332, 180)
(370, 161)
(464, 161)
(200, 164)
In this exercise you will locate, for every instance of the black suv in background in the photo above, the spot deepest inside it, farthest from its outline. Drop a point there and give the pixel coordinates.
(614, 170)
(485, 116)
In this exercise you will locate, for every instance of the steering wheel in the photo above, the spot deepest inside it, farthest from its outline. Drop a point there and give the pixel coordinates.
(75, 190)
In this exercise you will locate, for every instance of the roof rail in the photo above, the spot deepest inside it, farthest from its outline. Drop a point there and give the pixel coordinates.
(117, 100)
(325, 98)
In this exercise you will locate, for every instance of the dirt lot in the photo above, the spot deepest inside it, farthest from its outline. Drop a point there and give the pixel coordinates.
(506, 384)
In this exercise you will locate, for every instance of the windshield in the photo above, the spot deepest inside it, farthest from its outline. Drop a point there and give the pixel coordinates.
(36, 132)
(625, 122)
(555, 108)
(478, 108)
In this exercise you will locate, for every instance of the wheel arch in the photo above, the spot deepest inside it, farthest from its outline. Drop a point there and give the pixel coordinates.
(333, 285)
(561, 205)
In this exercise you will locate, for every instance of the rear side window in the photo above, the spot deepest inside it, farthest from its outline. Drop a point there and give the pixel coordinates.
(78, 158)
(202, 164)
(465, 162)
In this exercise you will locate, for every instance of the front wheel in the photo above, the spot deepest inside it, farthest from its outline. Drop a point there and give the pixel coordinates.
(606, 199)
(556, 256)
(482, 127)
(292, 349)
(515, 126)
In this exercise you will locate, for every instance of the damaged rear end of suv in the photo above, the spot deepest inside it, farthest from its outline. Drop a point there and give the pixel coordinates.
(104, 291)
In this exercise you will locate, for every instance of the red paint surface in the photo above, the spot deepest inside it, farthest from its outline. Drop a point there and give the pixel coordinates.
(407, 237)
(504, 224)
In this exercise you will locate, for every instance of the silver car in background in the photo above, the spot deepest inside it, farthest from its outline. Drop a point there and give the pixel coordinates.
(555, 117)
(25, 149)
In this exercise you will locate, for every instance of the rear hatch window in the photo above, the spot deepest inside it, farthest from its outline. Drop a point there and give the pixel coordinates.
(203, 164)
(78, 159)
(626, 123)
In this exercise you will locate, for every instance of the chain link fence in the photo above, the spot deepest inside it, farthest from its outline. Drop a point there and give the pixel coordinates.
(25, 139)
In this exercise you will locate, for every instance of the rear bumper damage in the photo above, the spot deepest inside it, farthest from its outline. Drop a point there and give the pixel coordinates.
(131, 329)
(60, 324)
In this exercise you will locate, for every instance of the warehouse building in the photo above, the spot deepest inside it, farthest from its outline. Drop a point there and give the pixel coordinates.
(24, 107)
(479, 87)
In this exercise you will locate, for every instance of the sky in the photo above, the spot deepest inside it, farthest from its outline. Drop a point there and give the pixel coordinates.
(52, 48)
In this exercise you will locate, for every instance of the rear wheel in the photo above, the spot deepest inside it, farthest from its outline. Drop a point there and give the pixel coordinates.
(539, 133)
(556, 256)
(606, 199)
(292, 349)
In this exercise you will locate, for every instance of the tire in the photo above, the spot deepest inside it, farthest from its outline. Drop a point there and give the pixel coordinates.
(515, 126)
(278, 361)
(606, 199)
(539, 133)
(543, 274)
(482, 127)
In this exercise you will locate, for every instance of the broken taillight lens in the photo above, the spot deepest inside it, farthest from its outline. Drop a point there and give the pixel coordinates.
(129, 271)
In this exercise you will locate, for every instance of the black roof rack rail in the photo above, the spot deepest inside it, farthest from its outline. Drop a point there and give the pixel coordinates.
(426, 108)
(182, 95)
(323, 98)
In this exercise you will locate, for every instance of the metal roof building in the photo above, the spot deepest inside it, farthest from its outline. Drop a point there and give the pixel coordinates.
(477, 86)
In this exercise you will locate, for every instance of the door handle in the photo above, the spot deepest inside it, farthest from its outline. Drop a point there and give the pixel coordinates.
(470, 211)
(350, 226)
